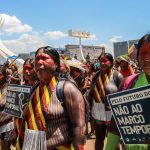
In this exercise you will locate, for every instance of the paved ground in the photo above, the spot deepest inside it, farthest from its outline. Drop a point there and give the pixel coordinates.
(90, 143)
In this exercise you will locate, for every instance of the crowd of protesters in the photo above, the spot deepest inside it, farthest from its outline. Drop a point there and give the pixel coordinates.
(54, 123)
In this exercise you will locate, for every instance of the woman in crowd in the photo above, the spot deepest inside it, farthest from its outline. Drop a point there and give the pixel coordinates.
(124, 67)
(105, 81)
(49, 123)
(30, 79)
(29, 74)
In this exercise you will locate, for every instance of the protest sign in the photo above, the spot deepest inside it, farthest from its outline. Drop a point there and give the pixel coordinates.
(131, 113)
(16, 99)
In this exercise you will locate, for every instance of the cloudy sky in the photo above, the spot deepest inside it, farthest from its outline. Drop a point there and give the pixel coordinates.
(27, 25)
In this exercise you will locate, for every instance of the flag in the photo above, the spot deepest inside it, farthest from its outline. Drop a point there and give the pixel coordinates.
(132, 51)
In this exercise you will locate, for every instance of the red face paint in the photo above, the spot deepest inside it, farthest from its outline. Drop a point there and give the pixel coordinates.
(45, 65)
(42, 56)
(104, 60)
(105, 63)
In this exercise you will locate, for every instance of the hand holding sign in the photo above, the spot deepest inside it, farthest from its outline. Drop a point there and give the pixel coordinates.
(131, 113)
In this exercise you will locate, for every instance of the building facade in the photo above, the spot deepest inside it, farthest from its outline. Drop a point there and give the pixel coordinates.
(92, 51)
(121, 48)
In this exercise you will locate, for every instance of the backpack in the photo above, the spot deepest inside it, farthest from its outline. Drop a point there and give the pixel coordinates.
(60, 96)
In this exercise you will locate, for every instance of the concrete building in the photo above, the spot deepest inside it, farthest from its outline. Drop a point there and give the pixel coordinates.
(121, 48)
(94, 51)
(72, 50)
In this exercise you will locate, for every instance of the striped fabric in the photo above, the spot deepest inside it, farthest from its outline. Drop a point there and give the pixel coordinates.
(38, 105)
(20, 137)
(99, 90)
(36, 124)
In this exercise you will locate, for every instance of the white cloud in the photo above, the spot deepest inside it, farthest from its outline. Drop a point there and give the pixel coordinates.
(115, 39)
(55, 35)
(25, 43)
(31, 42)
(13, 25)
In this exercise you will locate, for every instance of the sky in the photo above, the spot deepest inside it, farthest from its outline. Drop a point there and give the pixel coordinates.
(30, 24)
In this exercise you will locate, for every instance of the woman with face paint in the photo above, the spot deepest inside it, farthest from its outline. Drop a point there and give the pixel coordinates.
(30, 78)
(140, 79)
(50, 124)
(105, 81)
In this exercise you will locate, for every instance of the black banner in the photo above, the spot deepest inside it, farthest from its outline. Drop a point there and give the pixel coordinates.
(131, 113)
(16, 99)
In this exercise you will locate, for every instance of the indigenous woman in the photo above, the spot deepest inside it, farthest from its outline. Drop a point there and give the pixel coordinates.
(50, 124)
(30, 78)
(29, 74)
(105, 81)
